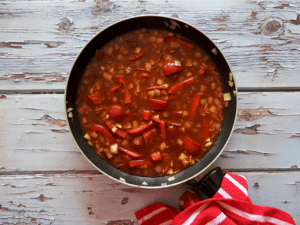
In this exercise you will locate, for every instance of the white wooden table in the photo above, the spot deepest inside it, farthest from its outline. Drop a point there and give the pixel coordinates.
(44, 179)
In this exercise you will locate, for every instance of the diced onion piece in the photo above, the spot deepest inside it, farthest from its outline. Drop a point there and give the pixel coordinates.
(108, 153)
(214, 50)
(87, 136)
(227, 97)
(114, 149)
(234, 93)
(230, 83)
(185, 113)
(148, 66)
(107, 76)
(188, 63)
(183, 157)
(177, 63)
(137, 50)
(70, 115)
(208, 144)
(180, 142)
(114, 129)
(171, 178)
(213, 109)
(118, 125)
(163, 146)
(158, 169)
(69, 109)
(170, 171)
(160, 81)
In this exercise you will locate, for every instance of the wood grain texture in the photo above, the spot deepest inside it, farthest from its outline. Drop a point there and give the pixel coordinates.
(96, 199)
(40, 40)
(33, 127)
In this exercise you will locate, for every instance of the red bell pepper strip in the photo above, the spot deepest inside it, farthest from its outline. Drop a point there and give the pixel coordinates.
(102, 130)
(114, 89)
(116, 112)
(190, 145)
(120, 133)
(135, 163)
(172, 67)
(157, 88)
(96, 98)
(145, 70)
(146, 114)
(170, 38)
(101, 56)
(187, 43)
(145, 75)
(156, 104)
(127, 96)
(134, 57)
(194, 105)
(180, 85)
(149, 134)
(205, 132)
(181, 40)
(177, 113)
(202, 73)
(141, 129)
(163, 131)
(129, 152)
(156, 156)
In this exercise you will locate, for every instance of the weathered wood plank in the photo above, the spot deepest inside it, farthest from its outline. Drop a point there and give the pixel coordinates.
(97, 199)
(40, 40)
(34, 135)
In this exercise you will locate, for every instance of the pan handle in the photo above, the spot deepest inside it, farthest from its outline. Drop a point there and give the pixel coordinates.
(209, 184)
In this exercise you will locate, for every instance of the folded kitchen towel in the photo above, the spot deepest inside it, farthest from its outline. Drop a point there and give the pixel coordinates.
(230, 205)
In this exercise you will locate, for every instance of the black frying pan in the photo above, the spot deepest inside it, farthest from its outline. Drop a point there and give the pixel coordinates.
(150, 22)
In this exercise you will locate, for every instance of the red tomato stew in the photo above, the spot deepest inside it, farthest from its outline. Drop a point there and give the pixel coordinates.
(151, 103)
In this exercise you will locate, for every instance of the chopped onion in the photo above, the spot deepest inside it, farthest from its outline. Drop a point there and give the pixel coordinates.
(177, 63)
(87, 136)
(114, 149)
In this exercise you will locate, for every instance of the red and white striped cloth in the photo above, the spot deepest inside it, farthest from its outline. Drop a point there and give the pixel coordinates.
(230, 205)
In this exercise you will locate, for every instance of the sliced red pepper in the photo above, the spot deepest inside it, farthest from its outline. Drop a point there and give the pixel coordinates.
(96, 98)
(130, 152)
(202, 73)
(145, 75)
(180, 85)
(194, 105)
(145, 70)
(156, 156)
(146, 114)
(149, 134)
(102, 130)
(135, 163)
(181, 40)
(190, 145)
(187, 43)
(156, 104)
(170, 38)
(118, 132)
(134, 57)
(177, 112)
(114, 89)
(101, 56)
(116, 112)
(172, 67)
(163, 131)
(127, 96)
(157, 88)
(141, 129)
(205, 132)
